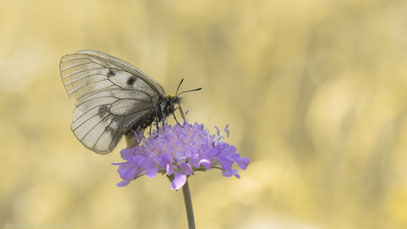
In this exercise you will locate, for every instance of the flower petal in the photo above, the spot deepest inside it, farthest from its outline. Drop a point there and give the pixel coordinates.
(217, 131)
(230, 172)
(164, 160)
(243, 162)
(179, 181)
(226, 130)
(151, 172)
(186, 168)
(226, 163)
(205, 163)
(169, 169)
(128, 171)
(123, 183)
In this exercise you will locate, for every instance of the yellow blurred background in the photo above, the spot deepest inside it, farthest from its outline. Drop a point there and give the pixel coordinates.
(314, 91)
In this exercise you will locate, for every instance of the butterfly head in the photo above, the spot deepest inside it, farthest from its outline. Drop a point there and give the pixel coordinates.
(174, 99)
(171, 101)
(168, 104)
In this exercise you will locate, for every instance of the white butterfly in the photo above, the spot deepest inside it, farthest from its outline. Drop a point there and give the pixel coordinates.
(113, 98)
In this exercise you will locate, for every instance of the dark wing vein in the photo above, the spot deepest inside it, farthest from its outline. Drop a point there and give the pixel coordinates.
(79, 58)
(76, 65)
(88, 84)
(91, 61)
(95, 92)
(122, 89)
(111, 97)
(101, 120)
(90, 117)
(103, 133)
(117, 132)
(82, 77)
(84, 70)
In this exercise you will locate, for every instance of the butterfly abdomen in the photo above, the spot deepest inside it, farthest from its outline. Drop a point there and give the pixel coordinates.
(165, 107)
(143, 122)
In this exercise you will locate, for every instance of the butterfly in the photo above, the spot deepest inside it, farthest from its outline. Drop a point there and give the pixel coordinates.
(113, 98)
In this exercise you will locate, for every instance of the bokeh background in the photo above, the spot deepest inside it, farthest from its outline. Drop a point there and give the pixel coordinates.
(315, 93)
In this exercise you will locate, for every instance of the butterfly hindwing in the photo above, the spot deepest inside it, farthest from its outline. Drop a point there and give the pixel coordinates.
(111, 95)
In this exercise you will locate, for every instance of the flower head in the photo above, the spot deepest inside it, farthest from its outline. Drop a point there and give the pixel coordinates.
(177, 151)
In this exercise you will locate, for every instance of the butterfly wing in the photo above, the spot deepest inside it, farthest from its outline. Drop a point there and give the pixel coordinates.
(111, 96)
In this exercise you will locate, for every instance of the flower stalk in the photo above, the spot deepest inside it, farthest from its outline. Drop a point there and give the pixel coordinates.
(188, 205)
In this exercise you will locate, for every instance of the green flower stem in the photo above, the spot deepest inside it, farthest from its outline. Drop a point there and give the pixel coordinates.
(188, 205)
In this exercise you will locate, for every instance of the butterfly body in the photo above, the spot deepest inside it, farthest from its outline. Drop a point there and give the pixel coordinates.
(113, 98)
(165, 107)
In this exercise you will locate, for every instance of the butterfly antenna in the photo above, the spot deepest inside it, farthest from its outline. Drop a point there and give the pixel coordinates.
(196, 89)
(179, 85)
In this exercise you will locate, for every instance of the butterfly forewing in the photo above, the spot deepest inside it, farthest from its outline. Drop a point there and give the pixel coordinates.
(113, 61)
(111, 96)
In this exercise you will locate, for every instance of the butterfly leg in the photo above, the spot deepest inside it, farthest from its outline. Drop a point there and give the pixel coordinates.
(182, 113)
(175, 117)
(156, 125)
(162, 123)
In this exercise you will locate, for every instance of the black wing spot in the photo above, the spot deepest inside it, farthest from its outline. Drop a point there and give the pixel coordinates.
(103, 110)
(111, 73)
(111, 130)
(131, 80)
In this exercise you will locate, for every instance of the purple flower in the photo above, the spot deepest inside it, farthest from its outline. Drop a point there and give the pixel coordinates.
(178, 152)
